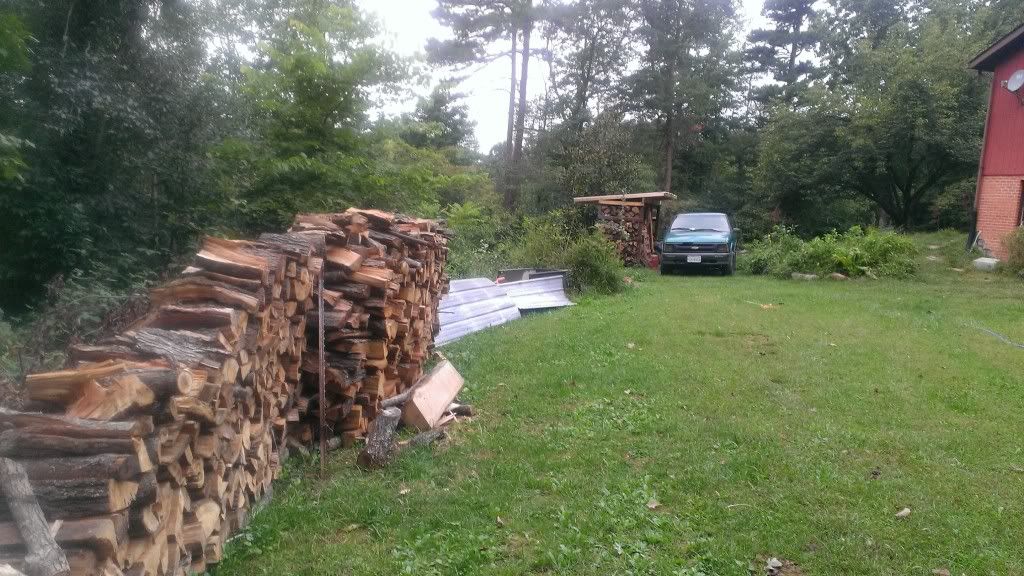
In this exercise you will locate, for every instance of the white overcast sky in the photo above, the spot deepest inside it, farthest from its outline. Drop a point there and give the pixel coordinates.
(407, 26)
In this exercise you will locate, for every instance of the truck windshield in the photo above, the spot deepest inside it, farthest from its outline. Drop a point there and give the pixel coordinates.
(703, 222)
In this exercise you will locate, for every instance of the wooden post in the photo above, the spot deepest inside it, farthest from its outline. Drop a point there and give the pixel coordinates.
(323, 379)
(45, 558)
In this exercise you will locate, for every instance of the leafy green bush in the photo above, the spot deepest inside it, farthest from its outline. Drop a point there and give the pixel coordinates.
(856, 252)
(594, 265)
(1014, 243)
(542, 244)
(483, 245)
(474, 248)
(771, 254)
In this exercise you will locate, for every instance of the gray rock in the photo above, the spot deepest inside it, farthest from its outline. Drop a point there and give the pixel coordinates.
(986, 264)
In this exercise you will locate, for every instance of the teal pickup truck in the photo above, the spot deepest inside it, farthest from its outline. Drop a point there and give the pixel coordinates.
(704, 240)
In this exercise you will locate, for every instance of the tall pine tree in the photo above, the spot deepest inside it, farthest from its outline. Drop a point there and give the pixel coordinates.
(782, 50)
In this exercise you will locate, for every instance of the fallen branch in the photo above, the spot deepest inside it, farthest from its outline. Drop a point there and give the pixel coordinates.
(464, 410)
(398, 400)
(45, 557)
(425, 438)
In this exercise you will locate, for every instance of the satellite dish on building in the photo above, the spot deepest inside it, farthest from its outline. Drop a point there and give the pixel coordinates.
(1015, 84)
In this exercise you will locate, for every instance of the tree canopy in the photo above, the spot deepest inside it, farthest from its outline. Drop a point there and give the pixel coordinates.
(130, 128)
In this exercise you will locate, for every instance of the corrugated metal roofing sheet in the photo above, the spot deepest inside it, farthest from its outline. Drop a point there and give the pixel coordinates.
(478, 303)
(473, 305)
(538, 293)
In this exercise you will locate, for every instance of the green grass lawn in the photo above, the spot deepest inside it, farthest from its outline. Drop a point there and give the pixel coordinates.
(796, 431)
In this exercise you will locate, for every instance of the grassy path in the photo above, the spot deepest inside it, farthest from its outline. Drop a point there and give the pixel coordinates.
(797, 431)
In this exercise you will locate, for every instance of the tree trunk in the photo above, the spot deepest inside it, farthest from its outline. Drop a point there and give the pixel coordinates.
(517, 151)
(670, 151)
(509, 196)
(510, 130)
(44, 557)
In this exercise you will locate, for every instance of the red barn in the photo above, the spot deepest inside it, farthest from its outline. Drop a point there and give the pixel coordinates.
(999, 199)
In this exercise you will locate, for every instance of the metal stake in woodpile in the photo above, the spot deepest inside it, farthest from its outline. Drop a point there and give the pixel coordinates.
(630, 221)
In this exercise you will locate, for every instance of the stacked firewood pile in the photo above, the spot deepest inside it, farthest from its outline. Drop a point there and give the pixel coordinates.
(630, 229)
(383, 280)
(149, 450)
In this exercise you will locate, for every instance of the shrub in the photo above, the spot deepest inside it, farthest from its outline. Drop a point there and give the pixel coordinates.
(475, 247)
(542, 245)
(771, 254)
(1014, 243)
(483, 245)
(559, 240)
(856, 252)
(594, 265)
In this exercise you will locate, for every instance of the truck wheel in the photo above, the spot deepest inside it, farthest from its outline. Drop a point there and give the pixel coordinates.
(665, 270)
(731, 268)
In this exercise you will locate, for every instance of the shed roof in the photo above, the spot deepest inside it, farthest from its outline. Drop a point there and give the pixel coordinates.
(990, 58)
(649, 197)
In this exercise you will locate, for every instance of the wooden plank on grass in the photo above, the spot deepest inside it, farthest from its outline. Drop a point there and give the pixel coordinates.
(432, 397)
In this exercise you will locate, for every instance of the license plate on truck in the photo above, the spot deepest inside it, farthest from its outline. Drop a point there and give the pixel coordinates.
(693, 259)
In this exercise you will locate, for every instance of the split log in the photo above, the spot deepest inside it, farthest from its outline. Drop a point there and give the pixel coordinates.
(432, 397)
(44, 557)
(28, 443)
(62, 386)
(186, 349)
(83, 497)
(200, 289)
(344, 258)
(116, 466)
(380, 440)
(104, 535)
(59, 425)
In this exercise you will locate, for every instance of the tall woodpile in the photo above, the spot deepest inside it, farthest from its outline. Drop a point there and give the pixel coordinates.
(630, 226)
(149, 450)
(383, 280)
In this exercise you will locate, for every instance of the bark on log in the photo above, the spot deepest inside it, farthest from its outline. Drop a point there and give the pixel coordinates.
(380, 440)
(116, 466)
(426, 438)
(165, 382)
(28, 443)
(58, 425)
(80, 498)
(44, 557)
(177, 347)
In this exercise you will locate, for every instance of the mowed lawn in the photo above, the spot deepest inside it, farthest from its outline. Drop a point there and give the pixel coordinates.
(795, 431)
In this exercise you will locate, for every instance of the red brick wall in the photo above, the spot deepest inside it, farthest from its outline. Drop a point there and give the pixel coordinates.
(999, 206)
(1004, 135)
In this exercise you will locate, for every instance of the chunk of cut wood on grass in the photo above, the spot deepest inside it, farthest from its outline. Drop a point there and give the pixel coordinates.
(905, 513)
(432, 396)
